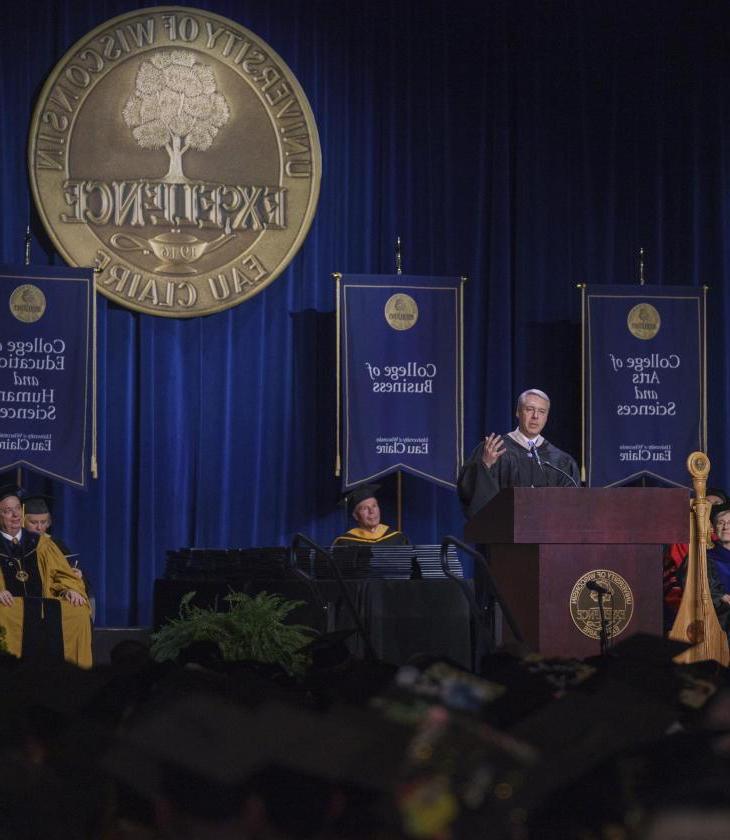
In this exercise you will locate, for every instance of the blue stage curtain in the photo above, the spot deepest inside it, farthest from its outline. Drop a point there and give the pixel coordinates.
(528, 145)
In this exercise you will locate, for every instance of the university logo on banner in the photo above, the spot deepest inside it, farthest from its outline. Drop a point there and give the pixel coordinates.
(644, 389)
(45, 353)
(401, 346)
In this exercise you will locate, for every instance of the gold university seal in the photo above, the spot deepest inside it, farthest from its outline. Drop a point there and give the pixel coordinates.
(401, 311)
(176, 151)
(643, 321)
(27, 303)
(618, 604)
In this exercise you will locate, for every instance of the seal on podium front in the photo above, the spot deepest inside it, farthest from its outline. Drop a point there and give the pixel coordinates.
(616, 603)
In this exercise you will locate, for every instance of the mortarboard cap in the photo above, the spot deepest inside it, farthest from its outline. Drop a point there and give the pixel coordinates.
(634, 696)
(37, 504)
(582, 730)
(359, 494)
(346, 744)
(224, 745)
(58, 687)
(718, 509)
(715, 491)
(10, 490)
(329, 649)
(649, 647)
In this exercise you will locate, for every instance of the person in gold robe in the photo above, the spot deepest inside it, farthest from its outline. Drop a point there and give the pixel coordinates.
(43, 606)
(370, 530)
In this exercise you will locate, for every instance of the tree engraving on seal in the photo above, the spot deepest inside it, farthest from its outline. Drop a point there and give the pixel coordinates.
(175, 107)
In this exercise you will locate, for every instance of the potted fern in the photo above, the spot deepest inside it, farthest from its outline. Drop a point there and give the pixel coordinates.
(253, 628)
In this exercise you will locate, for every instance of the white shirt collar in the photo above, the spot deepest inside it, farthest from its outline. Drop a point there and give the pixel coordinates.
(524, 441)
(16, 537)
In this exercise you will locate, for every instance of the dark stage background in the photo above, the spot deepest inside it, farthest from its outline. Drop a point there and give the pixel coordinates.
(529, 145)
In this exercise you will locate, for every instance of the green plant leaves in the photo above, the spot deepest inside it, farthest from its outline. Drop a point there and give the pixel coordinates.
(252, 629)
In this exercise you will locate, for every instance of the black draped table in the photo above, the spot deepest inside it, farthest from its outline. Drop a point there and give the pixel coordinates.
(402, 617)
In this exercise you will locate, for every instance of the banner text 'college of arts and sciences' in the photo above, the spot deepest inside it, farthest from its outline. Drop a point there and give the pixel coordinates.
(644, 390)
(401, 352)
(45, 354)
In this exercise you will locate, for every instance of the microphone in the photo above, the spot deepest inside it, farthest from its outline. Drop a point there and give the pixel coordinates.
(557, 469)
(535, 454)
(593, 586)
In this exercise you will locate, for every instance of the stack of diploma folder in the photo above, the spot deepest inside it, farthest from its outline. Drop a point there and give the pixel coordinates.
(352, 562)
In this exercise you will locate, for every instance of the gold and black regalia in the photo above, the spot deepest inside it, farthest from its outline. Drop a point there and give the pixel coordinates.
(515, 468)
(382, 535)
(40, 623)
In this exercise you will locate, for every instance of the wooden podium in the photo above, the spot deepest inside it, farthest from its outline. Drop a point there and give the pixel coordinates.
(547, 543)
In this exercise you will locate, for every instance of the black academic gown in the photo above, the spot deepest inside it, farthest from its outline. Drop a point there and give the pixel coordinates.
(42, 633)
(477, 485)
(40, 623)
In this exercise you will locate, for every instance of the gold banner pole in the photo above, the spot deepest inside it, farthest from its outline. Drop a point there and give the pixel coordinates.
(461, 371)
(94, 430)
(704, 369)
(19, 470)
(582, 287)
(337, 277)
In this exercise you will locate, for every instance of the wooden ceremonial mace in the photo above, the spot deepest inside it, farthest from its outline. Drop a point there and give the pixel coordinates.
(696, 620)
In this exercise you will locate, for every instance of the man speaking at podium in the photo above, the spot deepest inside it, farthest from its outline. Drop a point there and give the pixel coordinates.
(522, 458)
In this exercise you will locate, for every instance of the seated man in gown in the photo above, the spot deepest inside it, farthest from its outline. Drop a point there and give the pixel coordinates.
(37, 519)
(521, 458)
(43, 606)
(718, 563)
(365, 510)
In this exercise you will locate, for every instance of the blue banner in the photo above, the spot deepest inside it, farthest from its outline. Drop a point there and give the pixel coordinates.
(644, 389)
(400, 341)
(45, 322)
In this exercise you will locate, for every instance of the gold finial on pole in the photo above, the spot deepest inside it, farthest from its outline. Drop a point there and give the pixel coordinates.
(641, 266)
(398, 256)
(698, 466)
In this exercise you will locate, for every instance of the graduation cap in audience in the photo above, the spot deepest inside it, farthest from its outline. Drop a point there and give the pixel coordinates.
(57, 686)
(633, 698)
(363, 491)
(646, 646)
(37, 504)
(10, 490)
(202, 749)
(329, 649)
(718, 509)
